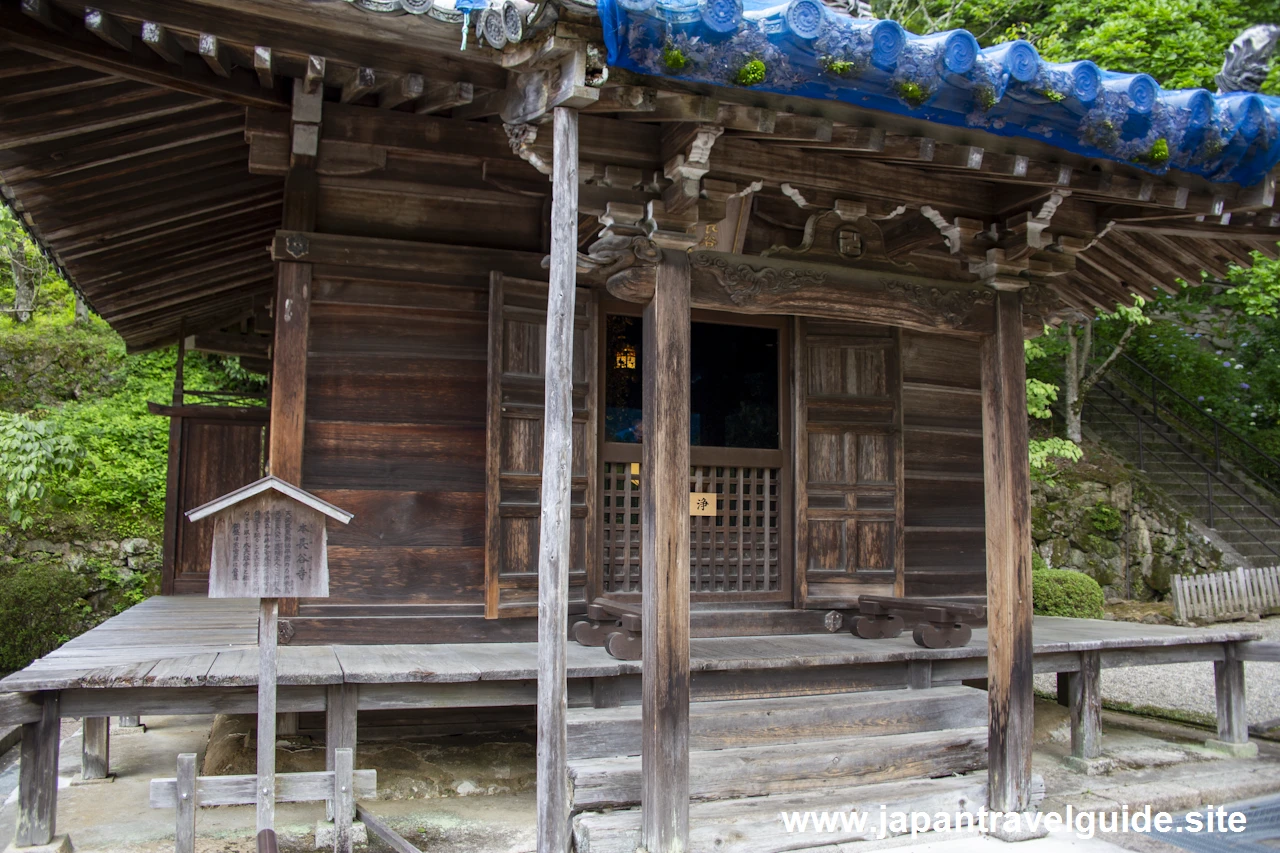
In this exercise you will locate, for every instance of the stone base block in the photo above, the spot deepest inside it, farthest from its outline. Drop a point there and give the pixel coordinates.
(80, 780)
(1024, 832)
(1247, 749)
(324, 835)
(125, 731)
(59, 844)
(1089, 766)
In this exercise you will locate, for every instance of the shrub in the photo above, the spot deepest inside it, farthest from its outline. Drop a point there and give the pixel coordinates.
(41, 606)
(1061, 592)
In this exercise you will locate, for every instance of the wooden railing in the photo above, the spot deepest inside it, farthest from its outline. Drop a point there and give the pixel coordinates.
(1226, 595)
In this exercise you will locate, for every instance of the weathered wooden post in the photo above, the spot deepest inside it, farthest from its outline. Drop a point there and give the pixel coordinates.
(269, 542)
(1008, 507)
(664, 506)
(557, 454)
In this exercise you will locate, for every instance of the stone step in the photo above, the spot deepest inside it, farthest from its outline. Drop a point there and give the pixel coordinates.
(788, 768)
(605, 732)
(754, 825)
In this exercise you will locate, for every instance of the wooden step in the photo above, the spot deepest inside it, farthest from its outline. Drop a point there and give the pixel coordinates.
(605, 732)
(790, 767)
(754, 826)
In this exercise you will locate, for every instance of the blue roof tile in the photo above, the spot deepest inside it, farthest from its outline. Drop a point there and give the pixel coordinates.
(809, 51)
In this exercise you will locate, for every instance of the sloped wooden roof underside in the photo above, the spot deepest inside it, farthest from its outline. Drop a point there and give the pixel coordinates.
(134, 170)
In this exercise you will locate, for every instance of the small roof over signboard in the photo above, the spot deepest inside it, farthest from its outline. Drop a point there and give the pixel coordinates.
(273, 483)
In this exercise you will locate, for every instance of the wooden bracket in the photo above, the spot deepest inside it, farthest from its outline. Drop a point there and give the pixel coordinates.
(549, 73)
(686, 167)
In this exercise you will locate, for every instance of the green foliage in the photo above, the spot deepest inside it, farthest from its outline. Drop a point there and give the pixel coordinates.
(1062, 592)
(1046, 451)
(41, 607)
(31, 452)
(1255, 290)
(911, 92)
(1105, 519)
(1179, 42)
(752, 73)
(837, 67)
(674, 58)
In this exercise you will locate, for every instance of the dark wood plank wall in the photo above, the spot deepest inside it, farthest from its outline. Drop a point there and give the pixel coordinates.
(942, 413)
(395, 434)
(396, 387)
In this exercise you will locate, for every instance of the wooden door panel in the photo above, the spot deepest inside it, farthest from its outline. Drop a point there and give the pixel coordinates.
(514, 435)
(849, 477)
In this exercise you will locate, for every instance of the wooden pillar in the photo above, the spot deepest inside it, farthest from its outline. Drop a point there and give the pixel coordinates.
(130, 722)
(1228, 683)
(1085, 691)
(38, 775)
(664, 509)
(339, 725)
(184, 837)
(173, 519)
(95, 748)
(293, 299)
(553, 532)
(1008, 523)
(266, 791)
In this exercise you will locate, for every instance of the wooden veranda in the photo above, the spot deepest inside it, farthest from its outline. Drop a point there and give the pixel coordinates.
(500, 292)
(188, 656)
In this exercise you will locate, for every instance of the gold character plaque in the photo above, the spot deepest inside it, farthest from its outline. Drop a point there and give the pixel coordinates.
(702, 503)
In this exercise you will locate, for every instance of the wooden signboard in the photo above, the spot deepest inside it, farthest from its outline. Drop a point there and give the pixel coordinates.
(269, 542)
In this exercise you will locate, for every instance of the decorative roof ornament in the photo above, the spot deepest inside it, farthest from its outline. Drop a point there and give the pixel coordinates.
(1248, 59)
(430, 8)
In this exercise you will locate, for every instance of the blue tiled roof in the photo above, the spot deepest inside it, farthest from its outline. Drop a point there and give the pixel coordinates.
(804, 49)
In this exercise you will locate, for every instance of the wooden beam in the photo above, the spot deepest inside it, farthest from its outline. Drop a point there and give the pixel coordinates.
(107, 28)
(264, 67)
(142, 66)
(754, 285)
(363, 81)
(1008, 524)
(444, 96)
(557, 455)
(214, 55)
(38, 775)
(403, 90)
(163, 43)
(373, 253)
(664, 509)
(225, 343)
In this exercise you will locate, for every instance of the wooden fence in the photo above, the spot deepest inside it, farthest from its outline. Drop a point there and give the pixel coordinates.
(1226, 595)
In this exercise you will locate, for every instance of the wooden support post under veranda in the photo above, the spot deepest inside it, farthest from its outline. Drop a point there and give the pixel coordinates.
(1008, 508)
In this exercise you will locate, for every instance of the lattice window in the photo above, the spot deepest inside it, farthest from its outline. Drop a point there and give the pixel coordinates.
(621, 491)
(736, 550)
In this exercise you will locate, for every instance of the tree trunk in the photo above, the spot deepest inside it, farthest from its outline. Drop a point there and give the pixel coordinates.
(24, 291)
(1072, 409)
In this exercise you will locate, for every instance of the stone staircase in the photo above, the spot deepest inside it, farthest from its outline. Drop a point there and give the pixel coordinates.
(1178, 468)
(752, 759)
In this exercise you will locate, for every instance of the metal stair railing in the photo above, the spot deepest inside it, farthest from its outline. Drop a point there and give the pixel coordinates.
(1215, 438)
(1214, 483)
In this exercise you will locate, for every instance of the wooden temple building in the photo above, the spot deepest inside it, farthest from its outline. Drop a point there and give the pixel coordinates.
(699, 319)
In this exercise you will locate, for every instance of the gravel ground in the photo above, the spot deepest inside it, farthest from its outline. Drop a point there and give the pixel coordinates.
(1189, 686)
